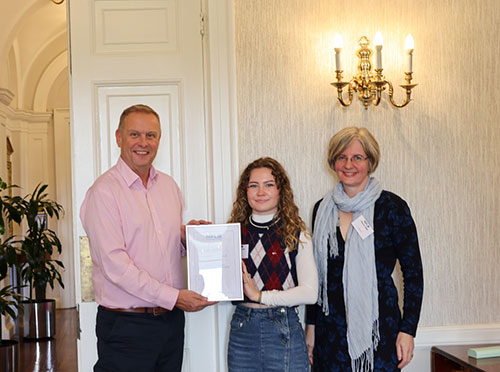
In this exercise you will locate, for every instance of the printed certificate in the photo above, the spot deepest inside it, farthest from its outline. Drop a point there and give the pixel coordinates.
(214, 261)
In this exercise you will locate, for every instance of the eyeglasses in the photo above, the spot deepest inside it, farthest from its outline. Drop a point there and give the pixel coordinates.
(356, 159)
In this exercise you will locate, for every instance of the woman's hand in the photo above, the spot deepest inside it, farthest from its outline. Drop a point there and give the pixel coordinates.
(404, 348)
(310, 330)
(249, 286)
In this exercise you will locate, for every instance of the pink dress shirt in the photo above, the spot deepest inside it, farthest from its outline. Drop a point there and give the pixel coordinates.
(134, 236)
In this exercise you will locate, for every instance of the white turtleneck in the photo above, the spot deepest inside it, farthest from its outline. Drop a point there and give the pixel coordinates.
(262, 218)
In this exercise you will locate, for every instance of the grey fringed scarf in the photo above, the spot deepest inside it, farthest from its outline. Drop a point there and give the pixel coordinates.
(359, 274)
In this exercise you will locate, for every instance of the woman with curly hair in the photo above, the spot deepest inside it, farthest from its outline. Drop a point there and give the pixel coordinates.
(279, 273)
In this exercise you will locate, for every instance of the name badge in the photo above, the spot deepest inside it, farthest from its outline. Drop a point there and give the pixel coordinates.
(362, 226)
(244, 251)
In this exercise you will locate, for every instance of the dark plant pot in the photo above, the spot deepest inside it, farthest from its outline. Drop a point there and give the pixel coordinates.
(39, 319)
(9, 356)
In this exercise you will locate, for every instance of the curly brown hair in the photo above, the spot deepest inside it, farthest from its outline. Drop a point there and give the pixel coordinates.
(290, 223)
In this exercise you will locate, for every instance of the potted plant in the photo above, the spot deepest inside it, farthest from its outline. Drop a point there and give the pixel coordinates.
(38, 268)
(9, 299)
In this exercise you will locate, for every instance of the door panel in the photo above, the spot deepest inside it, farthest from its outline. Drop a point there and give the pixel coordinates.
(165, 99)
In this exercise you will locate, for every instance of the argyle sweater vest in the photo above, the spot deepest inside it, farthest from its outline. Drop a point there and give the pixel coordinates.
(269, 263)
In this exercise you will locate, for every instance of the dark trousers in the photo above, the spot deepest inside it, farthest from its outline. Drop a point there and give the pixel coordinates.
(139, 342)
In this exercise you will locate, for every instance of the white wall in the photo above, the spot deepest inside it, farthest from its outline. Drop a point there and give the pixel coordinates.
(440, 153)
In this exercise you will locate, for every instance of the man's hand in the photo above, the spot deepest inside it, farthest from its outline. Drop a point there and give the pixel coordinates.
(310, 331)
(191, 301)
(192, 222)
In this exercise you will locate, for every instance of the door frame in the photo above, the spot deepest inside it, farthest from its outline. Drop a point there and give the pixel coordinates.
(220, 72)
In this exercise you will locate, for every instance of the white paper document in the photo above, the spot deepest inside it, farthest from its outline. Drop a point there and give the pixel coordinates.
(214, 261)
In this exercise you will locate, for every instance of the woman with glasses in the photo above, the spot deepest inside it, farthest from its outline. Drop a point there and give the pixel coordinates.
(279, 273)
(360, 231)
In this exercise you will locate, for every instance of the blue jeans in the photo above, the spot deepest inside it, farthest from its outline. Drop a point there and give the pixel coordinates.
(267, 340)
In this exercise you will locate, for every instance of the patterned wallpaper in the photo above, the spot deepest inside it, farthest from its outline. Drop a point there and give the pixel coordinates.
(440, 153)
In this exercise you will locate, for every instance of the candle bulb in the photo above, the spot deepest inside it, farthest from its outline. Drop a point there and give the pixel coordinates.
(379, 43)
(409, 46)
(338, 44)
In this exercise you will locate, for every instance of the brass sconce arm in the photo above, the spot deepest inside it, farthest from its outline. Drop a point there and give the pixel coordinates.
(340, 88)
(408, 87)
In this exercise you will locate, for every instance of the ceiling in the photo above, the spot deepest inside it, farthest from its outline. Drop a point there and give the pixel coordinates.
(33, 50)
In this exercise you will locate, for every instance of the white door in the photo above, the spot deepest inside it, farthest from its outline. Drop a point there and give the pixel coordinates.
(124, 52)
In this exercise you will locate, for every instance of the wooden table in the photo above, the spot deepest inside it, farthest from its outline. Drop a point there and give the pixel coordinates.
(454, 358)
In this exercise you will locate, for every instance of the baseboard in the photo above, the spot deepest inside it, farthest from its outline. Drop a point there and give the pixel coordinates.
(458, 335)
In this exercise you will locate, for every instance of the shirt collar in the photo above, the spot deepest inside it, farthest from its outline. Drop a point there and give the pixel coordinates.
(131, 177)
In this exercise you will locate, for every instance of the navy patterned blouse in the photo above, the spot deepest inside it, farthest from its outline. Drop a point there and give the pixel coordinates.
(395, 239)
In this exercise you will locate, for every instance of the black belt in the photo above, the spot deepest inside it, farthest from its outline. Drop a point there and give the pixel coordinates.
(141, 310)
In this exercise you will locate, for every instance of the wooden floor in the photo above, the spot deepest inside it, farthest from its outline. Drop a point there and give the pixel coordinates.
(57, 354)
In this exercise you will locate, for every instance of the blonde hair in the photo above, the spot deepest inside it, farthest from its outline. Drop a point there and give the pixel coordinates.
(343, 138)
(290, 223)
(136, 108)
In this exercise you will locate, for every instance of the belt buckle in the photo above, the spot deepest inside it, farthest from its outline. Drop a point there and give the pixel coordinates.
(154, 311)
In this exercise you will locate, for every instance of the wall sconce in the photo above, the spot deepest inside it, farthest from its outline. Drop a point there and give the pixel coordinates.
(368, 85)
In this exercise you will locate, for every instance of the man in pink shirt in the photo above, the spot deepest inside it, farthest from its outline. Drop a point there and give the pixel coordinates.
(133, 217)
